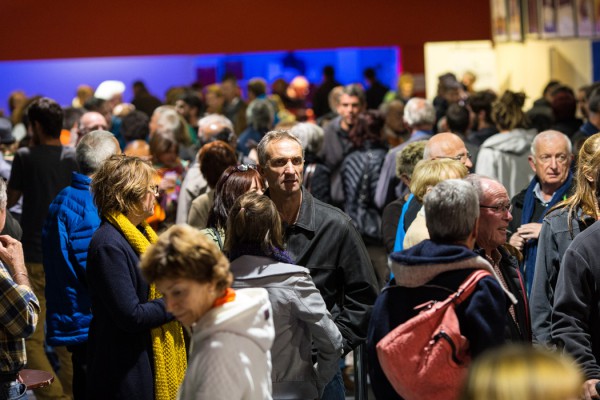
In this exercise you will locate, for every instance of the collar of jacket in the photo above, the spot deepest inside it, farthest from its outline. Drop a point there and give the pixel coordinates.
(306, 217)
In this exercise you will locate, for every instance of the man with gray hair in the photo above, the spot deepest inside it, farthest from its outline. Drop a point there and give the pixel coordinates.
(71, 221)
(19, 308)
(434, 268)
(419, 116)
(550, 159)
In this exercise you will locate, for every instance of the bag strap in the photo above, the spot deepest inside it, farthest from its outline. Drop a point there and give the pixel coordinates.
(465, 289)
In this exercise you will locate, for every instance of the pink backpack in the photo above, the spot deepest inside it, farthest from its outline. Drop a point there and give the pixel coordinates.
(427, 357)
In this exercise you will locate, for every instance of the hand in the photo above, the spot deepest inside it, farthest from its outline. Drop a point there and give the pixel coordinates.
(167, 184)
(517, 241)
(11, 254)
(530, 231)
(589, 389)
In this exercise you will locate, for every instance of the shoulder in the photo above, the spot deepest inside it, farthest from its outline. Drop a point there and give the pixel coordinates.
(327, 213)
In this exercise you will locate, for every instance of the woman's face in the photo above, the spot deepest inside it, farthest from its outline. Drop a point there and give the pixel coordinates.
(187, 299)
(257, 186)
(168, 158)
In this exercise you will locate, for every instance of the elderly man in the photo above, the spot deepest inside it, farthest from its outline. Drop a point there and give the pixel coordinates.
(323, 239)
(550, 159)
(90, 121)
(447, 145)
(72, 220)
(419, 116)
(19, 310)
(495, 216)
(433, 269)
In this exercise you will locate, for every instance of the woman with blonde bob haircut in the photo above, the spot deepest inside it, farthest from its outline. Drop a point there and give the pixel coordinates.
(135, 349)
(524, 373)
(302, 323)
(231, 331)
(426, 175)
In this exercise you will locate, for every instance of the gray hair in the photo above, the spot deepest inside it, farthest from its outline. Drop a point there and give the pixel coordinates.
(311, 136)
(3, 196)
(548, 135)
(451, 210)
(260, 114)
(274, 136)
(355, 90)
(419, 111)
(216, 119)
(93, 149)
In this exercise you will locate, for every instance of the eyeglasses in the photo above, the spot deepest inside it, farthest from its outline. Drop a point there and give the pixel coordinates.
(458, 157)
(154, 190)
(501, 209)
(282, 162)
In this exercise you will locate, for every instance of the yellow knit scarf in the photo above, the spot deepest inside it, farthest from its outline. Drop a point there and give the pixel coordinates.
(167, 340)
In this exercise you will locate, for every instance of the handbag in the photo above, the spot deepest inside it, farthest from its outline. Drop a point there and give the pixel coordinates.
(427, 357)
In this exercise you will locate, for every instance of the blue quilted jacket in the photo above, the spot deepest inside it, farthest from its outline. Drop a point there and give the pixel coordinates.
(71, 222)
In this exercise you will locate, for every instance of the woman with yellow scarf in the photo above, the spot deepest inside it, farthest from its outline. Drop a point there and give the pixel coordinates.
(135, 348)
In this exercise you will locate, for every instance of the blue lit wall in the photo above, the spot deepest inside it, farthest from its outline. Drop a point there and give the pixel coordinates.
(59, 78)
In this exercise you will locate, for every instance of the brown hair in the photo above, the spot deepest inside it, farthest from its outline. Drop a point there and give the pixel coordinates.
(507, 111)
(121, 184)
(254, 219)
(214, 158)
(161, 143)
(185, 252)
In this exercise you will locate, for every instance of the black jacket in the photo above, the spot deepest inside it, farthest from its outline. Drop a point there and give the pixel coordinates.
(324, 240)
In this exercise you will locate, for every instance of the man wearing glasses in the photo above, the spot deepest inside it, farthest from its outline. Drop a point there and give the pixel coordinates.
(447, 145)
(550, 159)
(495, 215)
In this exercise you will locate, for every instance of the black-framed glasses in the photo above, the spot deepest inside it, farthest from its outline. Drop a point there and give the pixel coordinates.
(500, 209)
(458, 157)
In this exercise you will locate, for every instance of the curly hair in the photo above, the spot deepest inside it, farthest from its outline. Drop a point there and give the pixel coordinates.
(185, 252)
(407, 159)
(121, 184)
(507, 111)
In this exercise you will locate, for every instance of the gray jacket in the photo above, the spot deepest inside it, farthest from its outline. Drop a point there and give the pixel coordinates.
(555, 238)
(300, 318)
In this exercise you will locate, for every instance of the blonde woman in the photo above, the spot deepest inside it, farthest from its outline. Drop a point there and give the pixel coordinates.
(426, 175)
(135, 349)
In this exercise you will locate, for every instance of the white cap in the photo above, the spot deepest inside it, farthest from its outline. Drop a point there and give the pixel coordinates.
(108, 89)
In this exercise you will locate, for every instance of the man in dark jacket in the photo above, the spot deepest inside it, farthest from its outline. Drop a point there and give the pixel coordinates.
(323, 239)
(495, 216)
(432, 270)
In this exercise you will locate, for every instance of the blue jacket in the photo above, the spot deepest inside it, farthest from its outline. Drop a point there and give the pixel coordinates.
(72, 220)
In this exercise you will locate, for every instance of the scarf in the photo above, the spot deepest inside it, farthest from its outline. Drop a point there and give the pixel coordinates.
(255, 250)
(168, 346)
(530, 249)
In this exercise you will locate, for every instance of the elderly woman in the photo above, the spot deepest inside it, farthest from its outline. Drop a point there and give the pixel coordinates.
(231, 331)
(302, 323)
(234, 182)
(134, 351)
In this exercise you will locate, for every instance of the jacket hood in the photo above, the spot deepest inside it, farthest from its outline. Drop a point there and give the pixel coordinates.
(253, 267)
(421, 263)
(517, 141)
(249, 315)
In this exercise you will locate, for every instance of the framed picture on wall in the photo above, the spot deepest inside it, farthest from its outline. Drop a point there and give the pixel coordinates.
(565, 18)
(515, 21)
(532, 18)
(499, 20)
(584, 11)
(548, 14)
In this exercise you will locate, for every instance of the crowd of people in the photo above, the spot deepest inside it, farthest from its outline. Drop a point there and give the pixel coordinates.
(227, 246)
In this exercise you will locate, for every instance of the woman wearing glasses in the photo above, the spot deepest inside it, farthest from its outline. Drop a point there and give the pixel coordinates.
(135, 350)
(234, 182)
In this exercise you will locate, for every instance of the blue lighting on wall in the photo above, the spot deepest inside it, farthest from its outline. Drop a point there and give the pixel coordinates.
(59, 79)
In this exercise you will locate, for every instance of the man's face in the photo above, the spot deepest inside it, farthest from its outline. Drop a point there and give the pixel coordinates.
(349, 108)
(284, 167)
(91, 121)
(229, 90)
(450, 146)
(183, 109)
(493, 222)
(552, 161)
(394, 118)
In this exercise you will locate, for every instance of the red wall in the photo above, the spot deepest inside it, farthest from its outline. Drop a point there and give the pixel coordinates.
(31, 29)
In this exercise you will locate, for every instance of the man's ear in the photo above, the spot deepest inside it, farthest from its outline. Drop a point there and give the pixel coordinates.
(531, 160)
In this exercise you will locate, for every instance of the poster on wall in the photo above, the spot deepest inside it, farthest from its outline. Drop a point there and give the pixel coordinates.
(515, 22)
(584, 10)
(499, 20)
(548, 19)
(565, 16)
(533, 18)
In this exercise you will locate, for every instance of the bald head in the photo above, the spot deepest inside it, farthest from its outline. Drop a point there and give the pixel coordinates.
(447, 145)
(91, 121)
